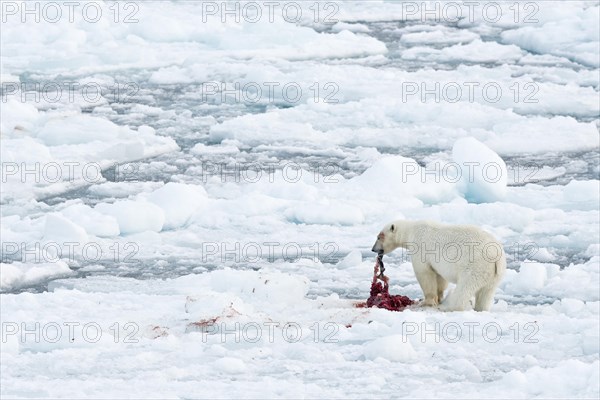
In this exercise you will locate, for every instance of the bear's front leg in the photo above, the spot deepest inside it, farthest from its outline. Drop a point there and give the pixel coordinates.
(427, 279)
(442, 284)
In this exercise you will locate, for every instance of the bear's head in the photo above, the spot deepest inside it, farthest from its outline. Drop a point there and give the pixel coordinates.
(386, 241)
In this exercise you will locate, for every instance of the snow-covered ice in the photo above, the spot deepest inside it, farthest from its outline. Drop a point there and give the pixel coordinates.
(188, 202)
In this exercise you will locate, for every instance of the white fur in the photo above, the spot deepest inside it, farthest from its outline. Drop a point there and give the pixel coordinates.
(462, 254)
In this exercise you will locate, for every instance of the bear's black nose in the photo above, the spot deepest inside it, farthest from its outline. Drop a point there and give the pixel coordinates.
(377, 247)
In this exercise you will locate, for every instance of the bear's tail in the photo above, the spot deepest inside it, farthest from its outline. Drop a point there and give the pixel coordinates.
(500, 266)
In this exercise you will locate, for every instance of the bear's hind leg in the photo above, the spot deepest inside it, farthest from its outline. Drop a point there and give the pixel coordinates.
(485, 298)
(459, 298)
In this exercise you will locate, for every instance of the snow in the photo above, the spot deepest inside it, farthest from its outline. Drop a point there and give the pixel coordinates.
(233, 233)
(230, 365)
(392, 348)
(165, 311)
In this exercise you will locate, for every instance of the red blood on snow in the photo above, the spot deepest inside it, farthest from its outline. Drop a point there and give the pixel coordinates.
(380, 296)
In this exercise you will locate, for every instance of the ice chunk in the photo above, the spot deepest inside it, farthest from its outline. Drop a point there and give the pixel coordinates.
(134, 216)
(543, 255)
(18, 274)
(441, 35)
(572, 307)
(399, 178)
(530, 279)
(202, 149)
(170, 75)
(123, 189)
(179, 202)
(356, 27)
(353, 259)
(483, 174)
(593, 250)
(62, 230)
(475, 51)
(584, 194)
(327, 214)
(571, 33)
(77, 130)
(92, 221)
(17, 116)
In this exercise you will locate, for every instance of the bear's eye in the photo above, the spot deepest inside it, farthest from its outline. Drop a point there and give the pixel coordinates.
(392, 228)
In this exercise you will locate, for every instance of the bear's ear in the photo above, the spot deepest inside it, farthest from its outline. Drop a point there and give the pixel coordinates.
(392, 228)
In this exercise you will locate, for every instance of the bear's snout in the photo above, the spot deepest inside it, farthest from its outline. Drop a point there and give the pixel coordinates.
(377, 248)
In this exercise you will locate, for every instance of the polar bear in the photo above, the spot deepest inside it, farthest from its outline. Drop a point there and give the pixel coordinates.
(462, 254)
